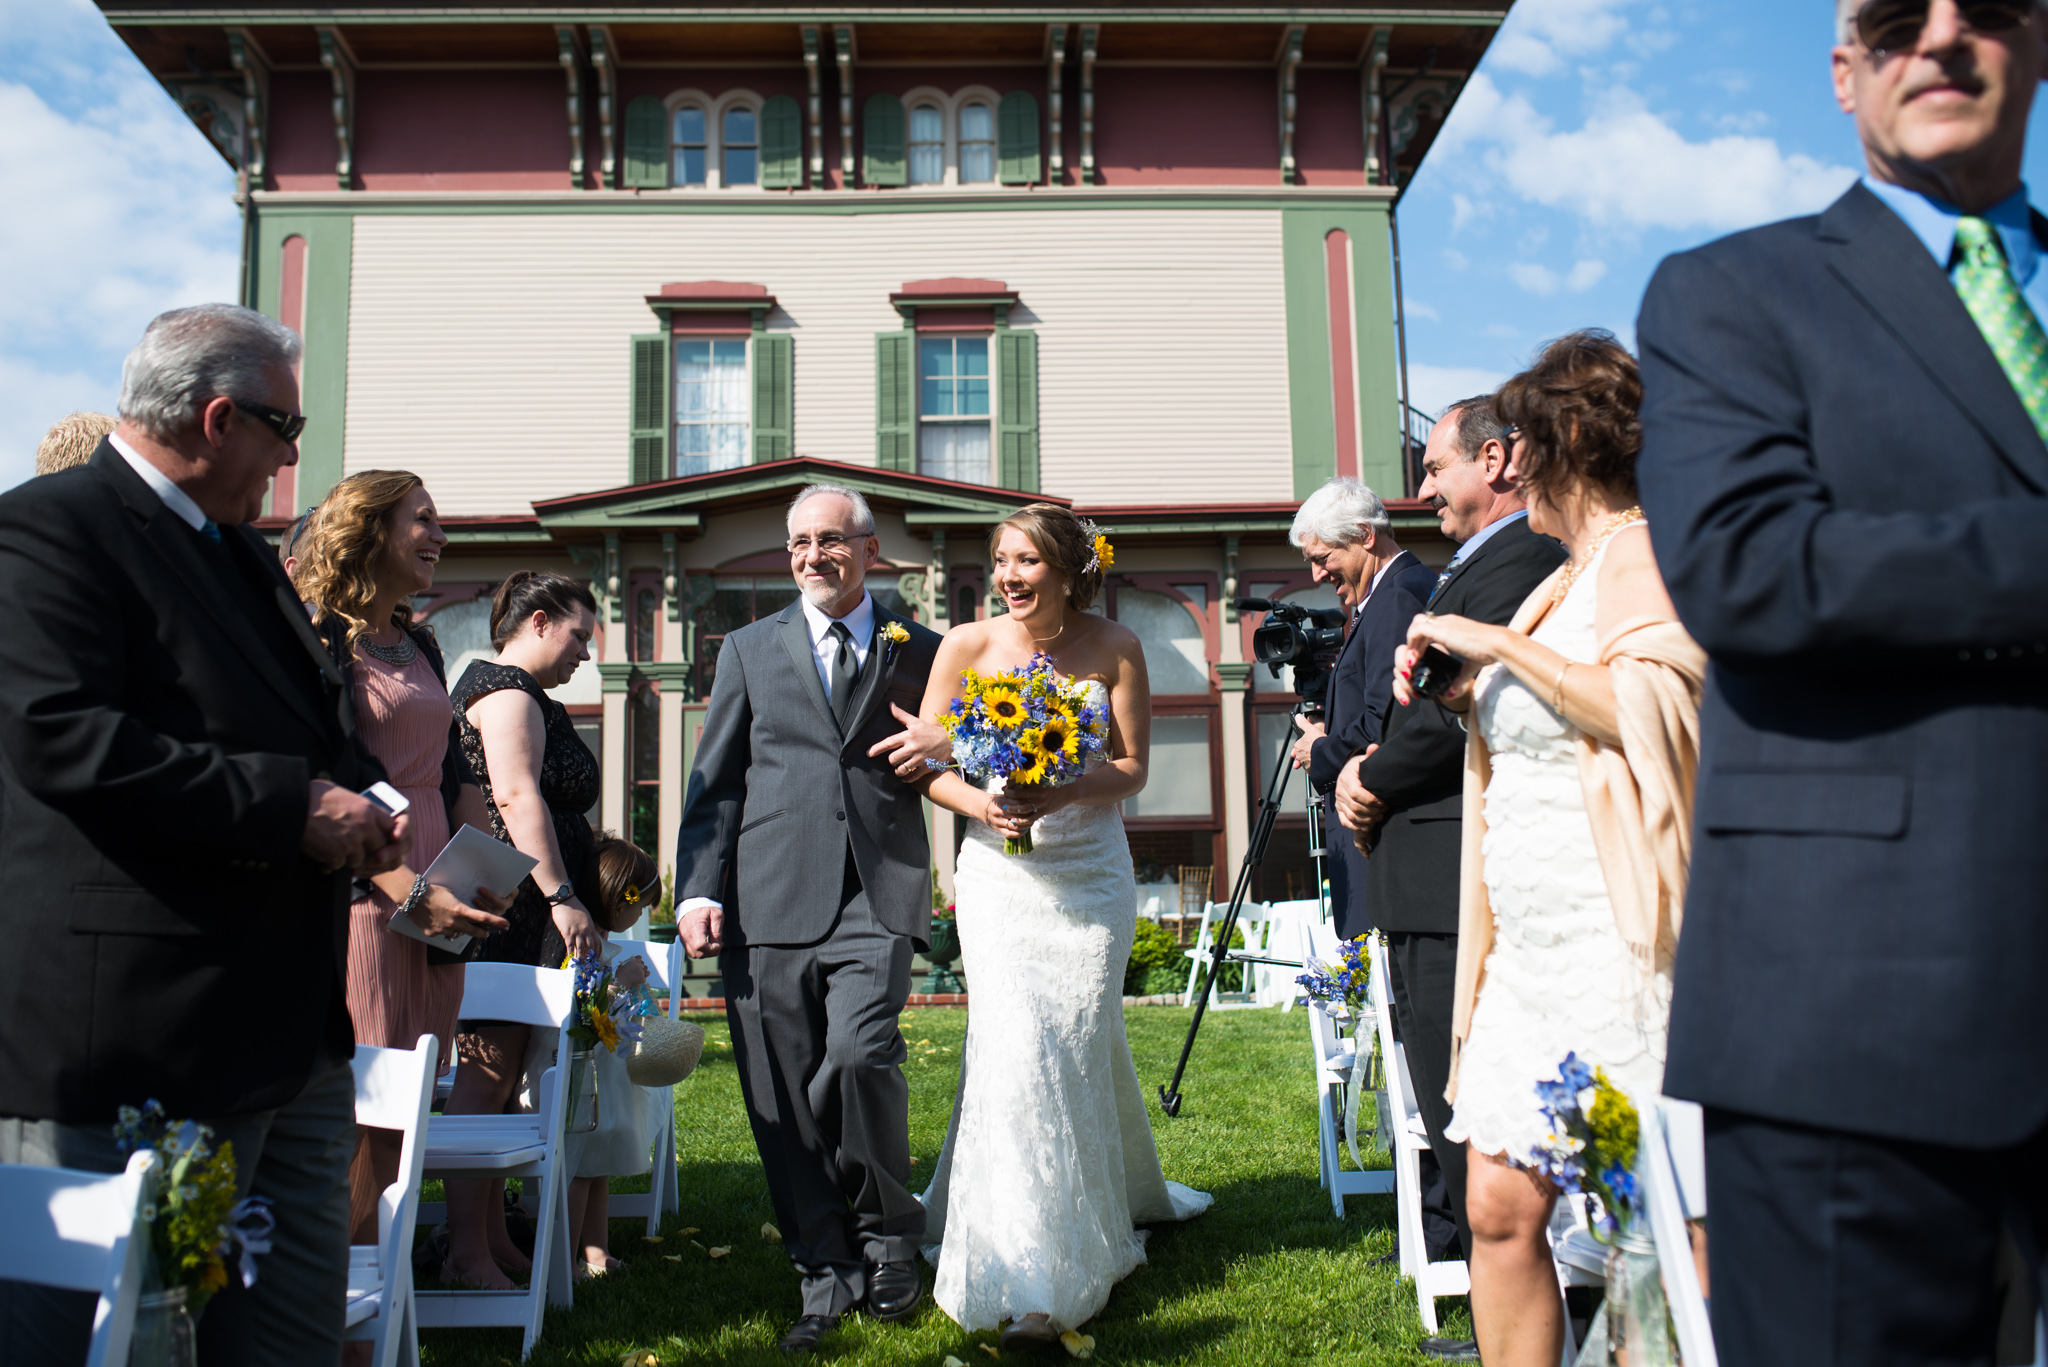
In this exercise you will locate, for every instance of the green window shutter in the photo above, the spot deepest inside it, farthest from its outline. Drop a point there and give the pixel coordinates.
(782, 144)
(774, 397)
(1017, 410)
(896, 401)
(646, 144)
(650, 407)
(884, 161)
(1017, 139)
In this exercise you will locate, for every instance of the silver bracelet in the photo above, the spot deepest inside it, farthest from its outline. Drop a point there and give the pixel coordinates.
(416, 896)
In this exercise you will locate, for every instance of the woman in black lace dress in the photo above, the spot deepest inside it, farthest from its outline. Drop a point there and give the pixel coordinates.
(538, 780)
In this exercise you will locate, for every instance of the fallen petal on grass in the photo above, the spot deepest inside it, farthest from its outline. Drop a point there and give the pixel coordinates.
(952, 1362)
(771, 1234)
(988, 1348)
(652, 1238)
(694, 1244)
(1078, 1345)
(719, 1252)
(686, 1233)
(673, 1257)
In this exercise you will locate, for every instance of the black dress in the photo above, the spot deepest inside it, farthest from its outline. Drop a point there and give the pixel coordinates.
(568, 784)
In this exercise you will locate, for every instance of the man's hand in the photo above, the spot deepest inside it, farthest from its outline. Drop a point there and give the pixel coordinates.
(1357, 809)
(702, 928)
(345, 829)
(909, 748)
(1311, 732)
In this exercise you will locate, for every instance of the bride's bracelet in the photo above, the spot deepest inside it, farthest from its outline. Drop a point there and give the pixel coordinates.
(1557, 689)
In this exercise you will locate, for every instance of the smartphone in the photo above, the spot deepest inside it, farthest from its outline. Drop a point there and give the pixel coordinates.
(1433, 674)
(387, 797)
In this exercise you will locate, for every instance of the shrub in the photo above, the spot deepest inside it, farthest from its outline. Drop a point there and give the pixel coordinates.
(1153, 948)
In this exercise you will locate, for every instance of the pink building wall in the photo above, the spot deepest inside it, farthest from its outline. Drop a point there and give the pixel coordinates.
(1194, 126)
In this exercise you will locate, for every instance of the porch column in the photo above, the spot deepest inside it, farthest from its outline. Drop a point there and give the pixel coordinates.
(618, 682)
(1235, 678)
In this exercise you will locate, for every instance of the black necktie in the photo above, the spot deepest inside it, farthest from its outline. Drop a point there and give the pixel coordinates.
(845, 672)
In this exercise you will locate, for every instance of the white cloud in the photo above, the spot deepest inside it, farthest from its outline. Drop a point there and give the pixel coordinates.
(1626, 167)
(1432, 388)
(1415, 308)
(1540, 35)
(1540, 279)
(32, 398)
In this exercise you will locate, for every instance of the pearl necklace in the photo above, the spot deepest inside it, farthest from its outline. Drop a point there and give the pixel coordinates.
(1627, 517)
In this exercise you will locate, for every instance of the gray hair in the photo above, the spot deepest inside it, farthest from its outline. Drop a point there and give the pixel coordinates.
(1340, 513)
(863, 516)
(1845, 18)
(191, 356)
(1479, 422)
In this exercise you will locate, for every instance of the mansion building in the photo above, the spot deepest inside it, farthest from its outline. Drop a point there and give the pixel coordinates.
(616, 280)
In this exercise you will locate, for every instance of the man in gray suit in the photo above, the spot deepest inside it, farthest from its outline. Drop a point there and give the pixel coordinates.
(803, 864)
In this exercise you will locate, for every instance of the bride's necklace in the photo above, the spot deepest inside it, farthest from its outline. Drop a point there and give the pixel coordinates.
(1038, 646)
(1627, 517)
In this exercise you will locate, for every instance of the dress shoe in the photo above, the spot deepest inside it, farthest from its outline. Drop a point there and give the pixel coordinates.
(894, 1291)
(1030, 1331)
(808, 1333)
(1451, 1350)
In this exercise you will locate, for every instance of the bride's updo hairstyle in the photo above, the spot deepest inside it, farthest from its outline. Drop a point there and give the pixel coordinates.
(1062, 543)
(1577, 407)
(526, 592)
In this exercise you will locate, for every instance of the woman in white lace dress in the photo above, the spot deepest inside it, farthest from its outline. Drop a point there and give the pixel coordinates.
(1049, 1164)
(1584, 719)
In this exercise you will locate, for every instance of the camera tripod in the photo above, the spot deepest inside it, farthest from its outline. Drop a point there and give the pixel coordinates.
(1255, 853)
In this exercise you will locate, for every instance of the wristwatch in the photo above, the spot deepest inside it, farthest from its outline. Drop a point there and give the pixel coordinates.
(561, 895)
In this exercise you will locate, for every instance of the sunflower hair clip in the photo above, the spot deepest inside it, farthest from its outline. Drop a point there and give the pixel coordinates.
(1102, 555)
(631, 895)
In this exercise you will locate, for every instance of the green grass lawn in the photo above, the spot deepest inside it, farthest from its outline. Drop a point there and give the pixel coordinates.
(1266, 1276)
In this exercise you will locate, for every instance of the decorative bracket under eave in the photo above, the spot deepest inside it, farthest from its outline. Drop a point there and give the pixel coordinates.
(814, 164)
(1055, 95)
(1375, 78)
(569, 50)
(1416, 98)
(1089, 33)
(842, 46)
(1290, 64)
(249, 59)
(341, 66)
(601, 63)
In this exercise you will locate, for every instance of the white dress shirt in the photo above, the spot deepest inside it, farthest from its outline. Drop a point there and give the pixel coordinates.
(824, 647)
(176, 499)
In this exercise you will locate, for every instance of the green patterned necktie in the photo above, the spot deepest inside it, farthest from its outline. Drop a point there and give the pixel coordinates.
(1984, 281)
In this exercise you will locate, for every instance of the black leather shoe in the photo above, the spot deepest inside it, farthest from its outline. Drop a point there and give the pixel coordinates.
(894, 1291)
(808, 1333)
(1451, 1350)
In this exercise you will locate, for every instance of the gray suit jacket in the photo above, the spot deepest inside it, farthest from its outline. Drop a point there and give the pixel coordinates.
(778, 792)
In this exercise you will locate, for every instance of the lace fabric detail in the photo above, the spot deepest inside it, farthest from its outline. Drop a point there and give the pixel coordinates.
(1049, 1162)
(1560, 977)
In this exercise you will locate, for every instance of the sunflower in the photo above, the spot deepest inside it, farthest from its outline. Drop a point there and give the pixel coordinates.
(604, 1027)
(1003, 706)
(1060, 737)
(1105, 554)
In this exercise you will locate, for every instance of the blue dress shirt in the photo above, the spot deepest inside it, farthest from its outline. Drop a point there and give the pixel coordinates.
(1934, 223)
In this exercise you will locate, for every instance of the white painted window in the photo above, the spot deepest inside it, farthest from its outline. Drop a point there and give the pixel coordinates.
(740, 147)
(711, 404)
(927, 145)
(953, 409)
(688, 146)
(977, 144)
(1177, 772)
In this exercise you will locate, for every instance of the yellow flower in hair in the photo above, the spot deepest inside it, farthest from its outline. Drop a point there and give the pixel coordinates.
(631, 894)
(1105, 554)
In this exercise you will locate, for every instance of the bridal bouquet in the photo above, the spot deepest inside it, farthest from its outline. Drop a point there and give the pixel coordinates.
(195, 1223)
(1025, 726)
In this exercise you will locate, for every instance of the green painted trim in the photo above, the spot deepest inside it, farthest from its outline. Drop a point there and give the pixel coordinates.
(1233, 677)
(665, 672)
(1310, 421)
(1236, 526)
(323, 391)
(1310, 403)
(1377, 356)
(423, 15)
(661, 508)
(617, 675)
(834, 204)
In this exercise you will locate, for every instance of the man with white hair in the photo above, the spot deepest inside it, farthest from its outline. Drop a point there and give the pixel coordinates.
(802, 864)
(1846, 478)
(180, 772)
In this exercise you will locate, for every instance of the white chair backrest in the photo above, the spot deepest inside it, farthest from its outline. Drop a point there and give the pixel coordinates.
(81, 1231)
(1669, 1127)
(664, 965)
(515, 992)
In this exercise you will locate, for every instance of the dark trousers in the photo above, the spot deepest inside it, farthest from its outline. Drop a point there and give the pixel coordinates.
(1841, 1250)
(298, 1156)
(1423, 970)
(821, 1064)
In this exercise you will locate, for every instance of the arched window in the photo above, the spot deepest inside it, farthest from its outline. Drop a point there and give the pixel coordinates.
(927, 145)
(740, 147)
(688, 146)
(977, 144)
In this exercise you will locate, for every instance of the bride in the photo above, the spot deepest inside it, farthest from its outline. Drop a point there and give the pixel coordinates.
(1049, 1162)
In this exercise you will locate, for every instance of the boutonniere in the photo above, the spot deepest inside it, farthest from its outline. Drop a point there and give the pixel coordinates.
(894, 635)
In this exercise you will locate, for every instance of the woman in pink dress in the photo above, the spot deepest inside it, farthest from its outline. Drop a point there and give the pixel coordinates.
(373, 545)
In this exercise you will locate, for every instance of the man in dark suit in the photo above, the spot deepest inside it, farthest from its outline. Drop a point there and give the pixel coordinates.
(815, 950)
(1844, 472)
(1348, 540)
(178, 763)
(1404, 800)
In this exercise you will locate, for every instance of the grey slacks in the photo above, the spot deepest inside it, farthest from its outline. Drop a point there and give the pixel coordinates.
(1424, 969)
(821, 1064)
(298, 1156)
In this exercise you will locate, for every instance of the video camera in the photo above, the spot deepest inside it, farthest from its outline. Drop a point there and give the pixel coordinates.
(1306, 638)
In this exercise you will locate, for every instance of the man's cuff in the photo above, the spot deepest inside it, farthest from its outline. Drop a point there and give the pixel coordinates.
(691, 904)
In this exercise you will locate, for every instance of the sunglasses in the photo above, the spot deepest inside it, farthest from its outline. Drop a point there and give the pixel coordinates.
(286, 425)
(1891, 26)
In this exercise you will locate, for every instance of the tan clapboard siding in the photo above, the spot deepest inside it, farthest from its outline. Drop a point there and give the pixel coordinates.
(490, 354)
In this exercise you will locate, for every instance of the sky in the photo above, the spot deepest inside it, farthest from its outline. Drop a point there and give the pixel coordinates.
(1597, 137)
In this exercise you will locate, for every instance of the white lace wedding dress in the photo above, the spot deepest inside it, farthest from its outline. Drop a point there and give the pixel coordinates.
(1560, 978)
(1049, 1163)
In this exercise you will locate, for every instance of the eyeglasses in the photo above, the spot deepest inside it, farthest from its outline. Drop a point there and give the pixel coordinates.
(1887, 27)
(286, 425)
(1508, 435)
(831, 543)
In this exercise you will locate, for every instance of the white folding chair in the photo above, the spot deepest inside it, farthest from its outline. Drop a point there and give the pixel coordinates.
(394, 1091)
(1673, 1172)
(1433, 1281)
(664, 1182)
(1275, 985)
(1251, 919)
(1334, 1059)
(82, 1231)
(526, 1145)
